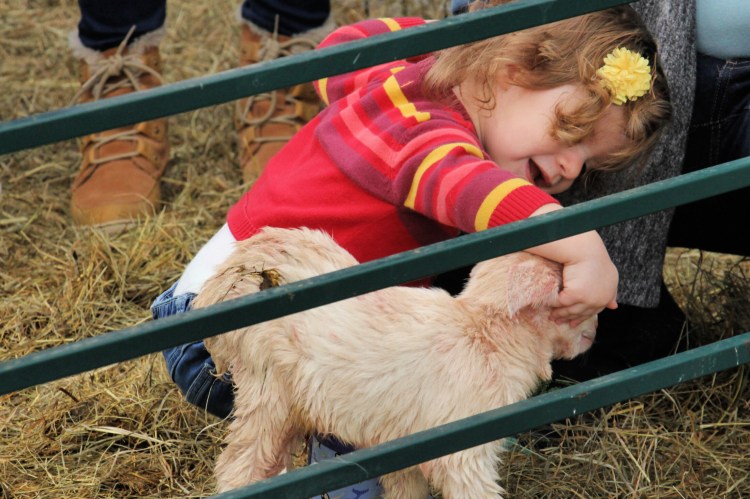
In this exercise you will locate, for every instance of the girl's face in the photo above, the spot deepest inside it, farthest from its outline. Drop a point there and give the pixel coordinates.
(517, 134)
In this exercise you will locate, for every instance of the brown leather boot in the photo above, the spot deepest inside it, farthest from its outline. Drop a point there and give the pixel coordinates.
(265, 122)
(118, 181)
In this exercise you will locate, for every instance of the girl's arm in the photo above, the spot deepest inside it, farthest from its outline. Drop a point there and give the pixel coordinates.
(453, 184)
(447, 177)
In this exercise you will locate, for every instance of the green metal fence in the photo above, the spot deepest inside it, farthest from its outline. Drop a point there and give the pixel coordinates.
(90, 353)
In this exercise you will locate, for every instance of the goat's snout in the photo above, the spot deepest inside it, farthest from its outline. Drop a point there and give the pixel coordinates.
(588, 333)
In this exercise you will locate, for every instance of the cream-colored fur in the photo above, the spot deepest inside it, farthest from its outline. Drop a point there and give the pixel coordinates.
(383, 365)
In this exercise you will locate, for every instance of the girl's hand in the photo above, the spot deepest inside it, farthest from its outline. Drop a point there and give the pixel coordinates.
(589, 277)
(589, 286)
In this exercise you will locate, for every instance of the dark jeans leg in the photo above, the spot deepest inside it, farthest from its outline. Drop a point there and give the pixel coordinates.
(719, 132)
(104, 24)
(459, 6)
(295, 16)
(191, 366)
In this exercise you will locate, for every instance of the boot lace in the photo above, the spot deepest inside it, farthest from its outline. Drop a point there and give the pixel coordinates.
(109, 75)
(271, 48)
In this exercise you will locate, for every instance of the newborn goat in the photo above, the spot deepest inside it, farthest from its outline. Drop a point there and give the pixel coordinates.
(382, 365)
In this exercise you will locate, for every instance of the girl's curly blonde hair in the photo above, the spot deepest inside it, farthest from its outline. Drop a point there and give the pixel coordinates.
(565, 52)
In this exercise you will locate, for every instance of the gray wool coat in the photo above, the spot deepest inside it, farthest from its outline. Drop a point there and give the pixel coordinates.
(637, 247)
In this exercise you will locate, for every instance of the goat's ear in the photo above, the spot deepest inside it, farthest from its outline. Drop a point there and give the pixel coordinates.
(533, 282)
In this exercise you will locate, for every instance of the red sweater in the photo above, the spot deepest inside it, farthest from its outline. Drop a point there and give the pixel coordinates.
(382, 168)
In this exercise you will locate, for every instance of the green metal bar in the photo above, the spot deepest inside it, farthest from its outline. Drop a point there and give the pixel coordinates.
(133, 342)
(105, 349)
(45, 128)
(503, 422)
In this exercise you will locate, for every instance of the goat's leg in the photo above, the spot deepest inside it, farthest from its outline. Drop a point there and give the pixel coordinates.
(469, 473)
(261, 437)
(409, 483)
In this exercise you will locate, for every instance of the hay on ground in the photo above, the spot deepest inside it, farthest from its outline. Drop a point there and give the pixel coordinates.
(124, 430)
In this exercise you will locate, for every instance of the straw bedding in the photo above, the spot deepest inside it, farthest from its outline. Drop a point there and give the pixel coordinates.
(124, 431)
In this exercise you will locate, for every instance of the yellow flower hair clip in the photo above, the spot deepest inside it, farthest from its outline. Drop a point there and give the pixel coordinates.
(626, 74)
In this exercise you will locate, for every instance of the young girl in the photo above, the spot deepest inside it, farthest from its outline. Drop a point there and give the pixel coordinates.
(417, 151)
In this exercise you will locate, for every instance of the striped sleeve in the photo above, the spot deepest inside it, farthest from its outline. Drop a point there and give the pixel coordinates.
(335, 87)
(453, 183)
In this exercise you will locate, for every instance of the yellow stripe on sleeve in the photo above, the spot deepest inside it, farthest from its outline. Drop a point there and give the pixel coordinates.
(493, 199)
(399, 100)
(391, 23)
(323, 86)
(433, 157)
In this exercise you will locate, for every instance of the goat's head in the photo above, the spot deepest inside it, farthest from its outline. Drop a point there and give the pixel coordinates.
(523, 287)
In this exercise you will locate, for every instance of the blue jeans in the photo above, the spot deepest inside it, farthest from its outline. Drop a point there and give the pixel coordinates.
(104, 24)
(719, 132)
(459, 6)
(194, 372)
(190, 366)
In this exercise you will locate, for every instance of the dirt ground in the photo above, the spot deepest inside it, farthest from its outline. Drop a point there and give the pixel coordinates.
(124, 430)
